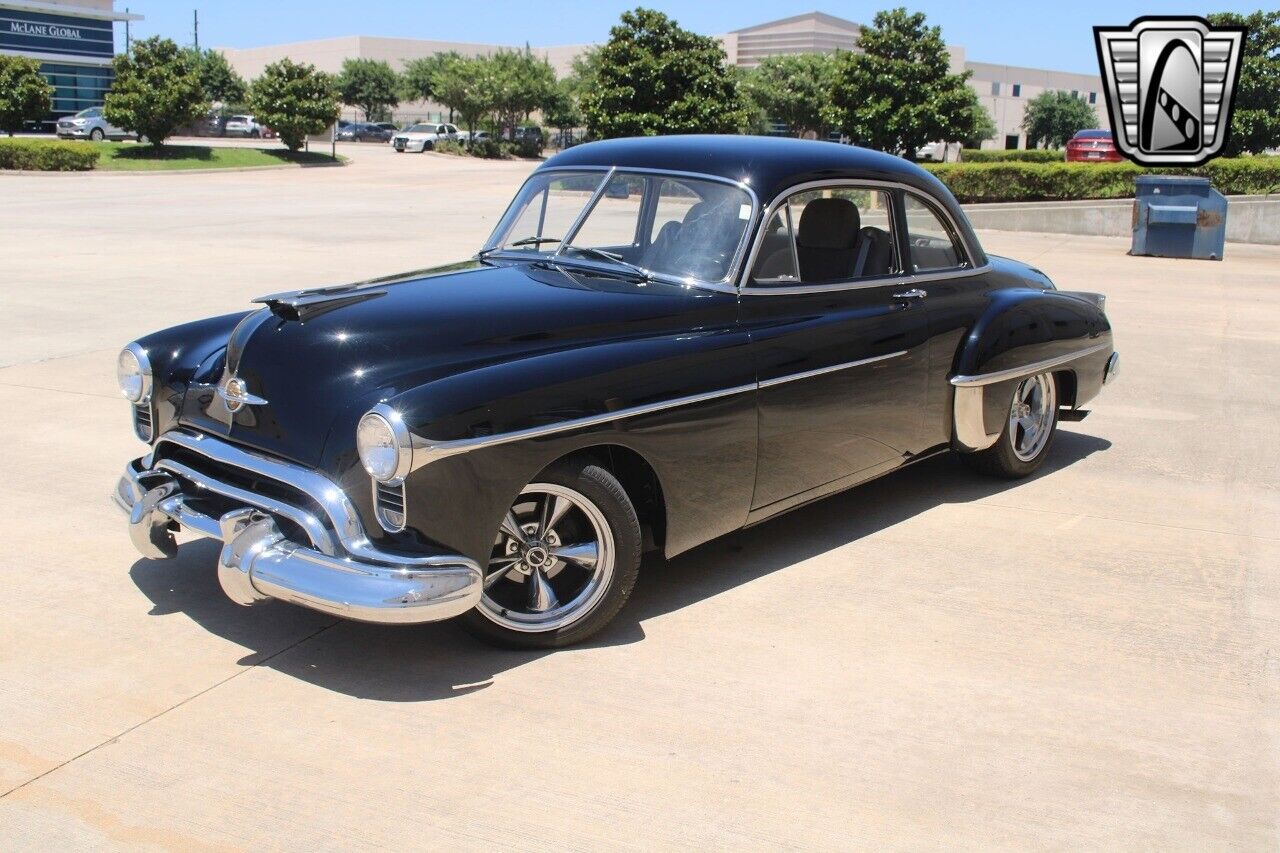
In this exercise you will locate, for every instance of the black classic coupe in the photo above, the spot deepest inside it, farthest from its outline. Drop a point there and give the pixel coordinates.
(663, 340)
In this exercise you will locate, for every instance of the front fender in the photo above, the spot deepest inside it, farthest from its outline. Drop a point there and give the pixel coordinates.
(684, 403)
(177, 354)
(1021, 333)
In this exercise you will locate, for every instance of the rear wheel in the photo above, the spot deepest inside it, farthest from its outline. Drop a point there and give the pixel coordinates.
(564, 561)
(1028, 431)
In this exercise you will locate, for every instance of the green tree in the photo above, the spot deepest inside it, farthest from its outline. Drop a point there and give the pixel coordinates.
(794, 89)
(370, 84)
(520, 83)
(24, 94)
(1054, 117)
(463, 85)
(218, 79)
(654, 77)
(156, 90)
(295, 100)
(1255, 118)
(899, 93)
(418, 80)
(561, 109)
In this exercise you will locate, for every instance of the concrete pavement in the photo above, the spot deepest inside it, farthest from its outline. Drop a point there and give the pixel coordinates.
(1084, 659)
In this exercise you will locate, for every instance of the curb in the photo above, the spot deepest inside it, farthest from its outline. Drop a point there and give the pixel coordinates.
(150, 172)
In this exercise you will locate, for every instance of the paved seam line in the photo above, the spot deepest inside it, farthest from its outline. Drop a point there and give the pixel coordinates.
(1136, 521)
(60, 391)
(160, 714)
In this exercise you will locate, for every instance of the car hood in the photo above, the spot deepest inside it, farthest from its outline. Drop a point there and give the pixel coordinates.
(317, 371)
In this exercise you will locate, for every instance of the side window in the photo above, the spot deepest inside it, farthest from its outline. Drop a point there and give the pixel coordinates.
(828, 236)
(934, 246)
(613, 223)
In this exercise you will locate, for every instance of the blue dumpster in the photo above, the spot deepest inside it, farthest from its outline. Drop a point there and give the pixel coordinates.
(1178, 216)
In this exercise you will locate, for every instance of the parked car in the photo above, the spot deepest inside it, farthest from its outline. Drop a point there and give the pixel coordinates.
(389, 127)
(244, 126)
(423, 136)
(90, 124)
(364, 132)
(1093, 146)
(755, 324)
(473, 135)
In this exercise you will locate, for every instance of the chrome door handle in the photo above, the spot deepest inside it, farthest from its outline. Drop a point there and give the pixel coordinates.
(913, 293)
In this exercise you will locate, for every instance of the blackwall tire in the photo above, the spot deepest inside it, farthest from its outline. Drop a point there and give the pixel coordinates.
(1029, 430)
(572, 567)
(97, 135)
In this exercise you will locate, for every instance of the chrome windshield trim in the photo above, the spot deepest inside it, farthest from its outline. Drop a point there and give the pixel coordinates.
(781, 198)
(433, 451)
(572, 230)
(1026, 370)
(724, 285)
(782, 380)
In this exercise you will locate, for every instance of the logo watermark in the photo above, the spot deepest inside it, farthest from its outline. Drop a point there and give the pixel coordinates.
(1169, 84)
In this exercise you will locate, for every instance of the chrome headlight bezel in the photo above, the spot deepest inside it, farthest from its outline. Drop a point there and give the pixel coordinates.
(135, 381)
(384, 445)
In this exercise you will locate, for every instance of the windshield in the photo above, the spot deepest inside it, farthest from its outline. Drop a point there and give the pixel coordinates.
(92, 112)
(423, 128)
(670, 225)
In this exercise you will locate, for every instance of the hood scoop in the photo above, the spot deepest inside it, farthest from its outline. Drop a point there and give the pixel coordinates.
(302, 305)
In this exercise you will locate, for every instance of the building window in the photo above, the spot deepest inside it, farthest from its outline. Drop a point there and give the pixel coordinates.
(1011, 141)
(1075, 93)
(1017, 90)
(995, 88)
(1093, 97)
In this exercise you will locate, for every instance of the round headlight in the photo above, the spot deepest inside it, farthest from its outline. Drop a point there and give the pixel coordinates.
(382, 441)
(134, 374)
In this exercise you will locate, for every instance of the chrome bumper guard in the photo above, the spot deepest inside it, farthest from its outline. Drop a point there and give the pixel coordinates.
(259, 562)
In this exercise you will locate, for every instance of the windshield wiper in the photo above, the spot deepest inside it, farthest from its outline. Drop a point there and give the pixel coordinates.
(611, 257)
(523, 241)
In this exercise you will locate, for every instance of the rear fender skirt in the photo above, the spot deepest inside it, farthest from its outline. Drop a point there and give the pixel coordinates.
(1023, 333)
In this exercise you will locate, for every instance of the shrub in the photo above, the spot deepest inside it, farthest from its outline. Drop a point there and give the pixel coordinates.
(24, 94)
(994, 182)
(44, 155)
(295, 100)
(156, 90)
(1015, 155)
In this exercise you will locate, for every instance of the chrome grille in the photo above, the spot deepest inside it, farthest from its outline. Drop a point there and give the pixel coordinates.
(142, 425)
(389, 506)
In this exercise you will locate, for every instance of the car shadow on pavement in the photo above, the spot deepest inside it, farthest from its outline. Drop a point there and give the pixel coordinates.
(439, 661)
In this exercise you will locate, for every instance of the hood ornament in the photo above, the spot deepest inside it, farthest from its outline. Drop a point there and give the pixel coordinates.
(301, 305)
(235, 394)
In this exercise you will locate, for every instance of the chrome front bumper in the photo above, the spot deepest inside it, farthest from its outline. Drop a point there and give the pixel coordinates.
(338, 572)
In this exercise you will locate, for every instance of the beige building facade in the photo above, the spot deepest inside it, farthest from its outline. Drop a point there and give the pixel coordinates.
(1003, 89)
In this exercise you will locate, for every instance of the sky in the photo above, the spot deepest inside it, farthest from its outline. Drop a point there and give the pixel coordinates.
(1053, 34)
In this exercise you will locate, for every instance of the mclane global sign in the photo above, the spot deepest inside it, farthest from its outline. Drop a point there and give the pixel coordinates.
(1170, 83)
(36, 32)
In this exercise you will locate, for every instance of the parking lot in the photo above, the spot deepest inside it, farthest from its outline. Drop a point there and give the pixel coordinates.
(1087, 658)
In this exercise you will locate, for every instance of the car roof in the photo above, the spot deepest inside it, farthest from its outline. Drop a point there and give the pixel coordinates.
(767, 164)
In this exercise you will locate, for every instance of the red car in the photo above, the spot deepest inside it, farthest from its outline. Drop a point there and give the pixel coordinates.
(1093, 146)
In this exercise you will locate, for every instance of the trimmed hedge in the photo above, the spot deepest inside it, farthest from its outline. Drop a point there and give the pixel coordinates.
(1012, 155)
(994, 182)
(46, 155)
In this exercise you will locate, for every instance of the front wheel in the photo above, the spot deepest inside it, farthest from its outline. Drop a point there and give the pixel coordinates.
(1028, 431)
(564, 561)
(97, 135)
(426, 146)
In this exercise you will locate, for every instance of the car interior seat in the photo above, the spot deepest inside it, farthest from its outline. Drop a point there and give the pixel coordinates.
(826, 241)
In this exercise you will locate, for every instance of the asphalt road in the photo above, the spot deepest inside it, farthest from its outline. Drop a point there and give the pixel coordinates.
(1089, 658)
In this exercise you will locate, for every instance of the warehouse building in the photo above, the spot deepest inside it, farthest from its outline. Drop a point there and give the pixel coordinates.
(1003, 89)
(74, 41)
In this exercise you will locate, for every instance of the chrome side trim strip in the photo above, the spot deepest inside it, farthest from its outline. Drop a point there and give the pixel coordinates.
(426, 451)
(782, 380)
(1026, 370)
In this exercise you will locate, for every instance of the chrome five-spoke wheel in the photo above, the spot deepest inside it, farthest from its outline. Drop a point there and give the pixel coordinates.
(552, 560)
(564, 560)
(1031, 416)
